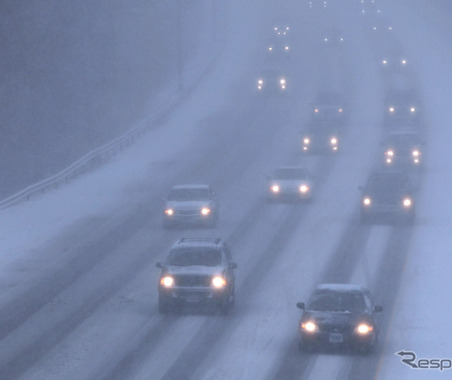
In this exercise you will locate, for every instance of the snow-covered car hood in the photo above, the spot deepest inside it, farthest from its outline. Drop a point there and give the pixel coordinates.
(195, 270)
(290, 183)
(333, 318)
(187, 205)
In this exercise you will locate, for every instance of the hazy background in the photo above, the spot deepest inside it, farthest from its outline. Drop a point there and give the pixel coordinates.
(76, 74)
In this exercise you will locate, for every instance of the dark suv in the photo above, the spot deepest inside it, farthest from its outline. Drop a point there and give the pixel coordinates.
(387, 194)
(197, 271)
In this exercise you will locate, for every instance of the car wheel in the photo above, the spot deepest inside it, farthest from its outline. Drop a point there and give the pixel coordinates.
(164, 305)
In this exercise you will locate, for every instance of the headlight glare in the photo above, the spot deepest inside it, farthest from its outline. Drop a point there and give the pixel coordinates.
(363, 329)
(367, 201)
(218, 282)
(167, 281)
(169, 211)
(309, 326)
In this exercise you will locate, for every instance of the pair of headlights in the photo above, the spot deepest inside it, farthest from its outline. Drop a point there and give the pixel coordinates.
(360, 329)
(204, 211)
(217, 282)
(303, 189)
(406, 202)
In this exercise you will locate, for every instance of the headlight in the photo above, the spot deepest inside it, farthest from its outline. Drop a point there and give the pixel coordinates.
(282, 81)
(384, 61)
(306, 140)
(407, 202)
(367, 201)
(270, 48)
(403, 62)
(363, 329)
(390, 153)
(286, 48)
(275, 188)
(169, 211)
(218, 282)
(167, 281)
(316, 110)
(326, 39)
(412, 109)
(260, 81)
(205, 211)
(416, 153)
(309, 326)
(333, 141)
(304, 188)
(391, 109)
(340, 110)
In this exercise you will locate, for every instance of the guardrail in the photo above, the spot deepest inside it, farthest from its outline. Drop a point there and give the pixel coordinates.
(90, 160)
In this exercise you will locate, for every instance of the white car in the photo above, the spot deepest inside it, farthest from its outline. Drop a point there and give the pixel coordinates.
(290, 183)
(191, 205)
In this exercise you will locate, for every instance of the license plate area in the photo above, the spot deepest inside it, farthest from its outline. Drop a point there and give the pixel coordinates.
(336, 338)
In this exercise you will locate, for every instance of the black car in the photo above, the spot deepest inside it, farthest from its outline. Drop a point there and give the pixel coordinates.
(197, 271)
(388, 194)
(403, 149)
(338, 315)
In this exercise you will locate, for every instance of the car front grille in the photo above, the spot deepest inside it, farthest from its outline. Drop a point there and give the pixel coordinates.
(193, 280)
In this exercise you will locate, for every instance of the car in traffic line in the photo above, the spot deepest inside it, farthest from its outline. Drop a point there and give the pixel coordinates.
(403, 149)
(272, 81)
(389, 195)
(197, 271)
(290, 183)
(339, 315)
(328, 108)
(402, 107)
(191, 205)
(320, 138)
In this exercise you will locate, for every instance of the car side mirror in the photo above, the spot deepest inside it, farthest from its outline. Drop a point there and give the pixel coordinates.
(159, 265)
(377, 309)
(233, 265)
(300, 305)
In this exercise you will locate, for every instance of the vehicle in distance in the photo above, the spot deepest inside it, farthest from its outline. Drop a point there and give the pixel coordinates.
(328, 107)
(402, 108)
(191, 205)
(197, 271)
(403, 149)
(290, 183)
(320, 138)
(338, 315)
(387, 194)
(333, 37)
(281, 30)
(272, 81)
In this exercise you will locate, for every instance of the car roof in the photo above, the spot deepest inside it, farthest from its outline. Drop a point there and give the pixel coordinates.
(198, 242)
(341, 288)
(190, 187)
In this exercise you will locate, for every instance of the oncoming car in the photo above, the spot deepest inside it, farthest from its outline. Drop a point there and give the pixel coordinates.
(290, 183)
(191, 205)
(402, 108)
(338, 315)
(403, 149)
(320, 138)
(329, 107)
(197, 271)
(387, 194)
(272, 81)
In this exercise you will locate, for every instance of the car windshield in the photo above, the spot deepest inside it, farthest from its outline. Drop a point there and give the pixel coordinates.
(188, 195)
(352, 302)
(194, 256)
(328, 98)
(387, 185)
(402, 98)
(403, 140)
(289, 173)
